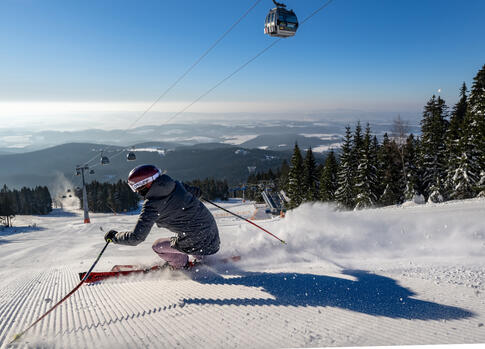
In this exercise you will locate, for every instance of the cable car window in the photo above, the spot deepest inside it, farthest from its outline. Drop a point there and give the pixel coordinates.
(288, 18)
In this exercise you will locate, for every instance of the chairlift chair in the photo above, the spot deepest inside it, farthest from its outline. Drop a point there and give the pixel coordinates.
(280, 22)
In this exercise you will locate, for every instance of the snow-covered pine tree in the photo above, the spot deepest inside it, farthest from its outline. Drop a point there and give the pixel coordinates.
(366, 175)
(464, 179)
(433, 152)
(374, 160)
(411, 191)
(436, 191)
(357, 144)
(472, 143)
(328, 178)
(476, 107)
(481, 185)
(295, 188)
(453, 136)
(310, 177)
(391, 173)
(345, 176)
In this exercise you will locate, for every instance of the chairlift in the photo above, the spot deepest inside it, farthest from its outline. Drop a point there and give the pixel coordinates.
(68, 190)
(131, 156)
(280, 22)
(91, 171)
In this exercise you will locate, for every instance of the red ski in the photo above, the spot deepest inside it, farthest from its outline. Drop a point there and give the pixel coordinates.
(122, 270)
(117, 271)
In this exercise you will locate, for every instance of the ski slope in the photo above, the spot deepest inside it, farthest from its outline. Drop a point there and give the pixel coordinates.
(390, 276)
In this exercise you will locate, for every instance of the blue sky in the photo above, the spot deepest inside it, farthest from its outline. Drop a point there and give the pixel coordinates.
(85, 59)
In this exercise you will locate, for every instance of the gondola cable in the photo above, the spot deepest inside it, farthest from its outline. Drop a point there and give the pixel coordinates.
(187, 71)
(234, 72)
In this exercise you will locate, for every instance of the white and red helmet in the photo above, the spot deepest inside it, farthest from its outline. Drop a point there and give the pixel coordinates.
(142, 175)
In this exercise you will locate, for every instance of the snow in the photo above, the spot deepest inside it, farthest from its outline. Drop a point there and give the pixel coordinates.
(324, 148)
(401, 275)
(238, 139)
(162, 152)
(323, 136)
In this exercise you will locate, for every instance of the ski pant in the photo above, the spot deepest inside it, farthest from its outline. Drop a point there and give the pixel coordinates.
(173, 257)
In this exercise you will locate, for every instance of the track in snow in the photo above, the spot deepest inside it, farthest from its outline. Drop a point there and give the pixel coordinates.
(237, 309)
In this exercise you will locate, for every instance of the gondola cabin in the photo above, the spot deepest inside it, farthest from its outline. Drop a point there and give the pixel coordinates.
(281, 23)
(131, 156)
(104, 160)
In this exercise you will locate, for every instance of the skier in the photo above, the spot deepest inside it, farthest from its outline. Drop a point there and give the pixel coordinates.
(175, 206)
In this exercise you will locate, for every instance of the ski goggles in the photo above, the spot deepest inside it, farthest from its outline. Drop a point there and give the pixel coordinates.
(139, 184)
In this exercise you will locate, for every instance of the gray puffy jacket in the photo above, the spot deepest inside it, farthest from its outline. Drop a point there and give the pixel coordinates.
(170, 205)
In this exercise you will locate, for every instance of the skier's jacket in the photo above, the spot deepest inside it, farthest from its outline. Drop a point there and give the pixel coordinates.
(171, 205)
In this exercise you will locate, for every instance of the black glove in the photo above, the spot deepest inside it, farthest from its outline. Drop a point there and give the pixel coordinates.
(109, 236)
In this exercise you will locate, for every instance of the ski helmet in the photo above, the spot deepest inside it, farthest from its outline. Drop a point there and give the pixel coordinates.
(142, 175)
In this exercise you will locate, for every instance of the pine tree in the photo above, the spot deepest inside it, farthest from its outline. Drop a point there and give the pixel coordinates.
(464, 179)
(411, 191)
(374, 161)
(454, 134)
(390, 173)
(471, 157)
(366, 175)
(433, 130)
(284, 171)
(345, 176)
(481, 185)
(295, 190)
(310, 177)
(6, 206)
(436, 191)
(475, 121)
(357, 144)
(328, 178)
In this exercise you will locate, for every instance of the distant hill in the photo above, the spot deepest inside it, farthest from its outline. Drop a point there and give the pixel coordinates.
(50, 166)
(263, 133)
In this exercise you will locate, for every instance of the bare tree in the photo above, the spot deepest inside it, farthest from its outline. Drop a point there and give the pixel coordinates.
(400, 131)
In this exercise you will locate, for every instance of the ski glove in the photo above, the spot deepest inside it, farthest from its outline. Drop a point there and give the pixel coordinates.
(109, 236)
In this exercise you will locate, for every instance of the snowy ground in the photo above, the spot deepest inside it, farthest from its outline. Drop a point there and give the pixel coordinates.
(392, 276)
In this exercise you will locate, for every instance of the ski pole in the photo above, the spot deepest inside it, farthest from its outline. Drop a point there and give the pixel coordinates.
(247, 220)
(18, 335)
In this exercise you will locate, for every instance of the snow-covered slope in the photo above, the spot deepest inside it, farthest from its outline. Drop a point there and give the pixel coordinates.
(401, 275)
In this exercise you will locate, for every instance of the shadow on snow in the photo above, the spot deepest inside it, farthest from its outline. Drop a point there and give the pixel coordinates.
(370, 294)
(6, 231)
